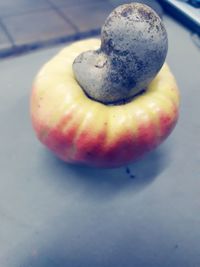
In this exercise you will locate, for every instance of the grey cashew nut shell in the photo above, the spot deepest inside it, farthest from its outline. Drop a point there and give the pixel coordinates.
(133, 49)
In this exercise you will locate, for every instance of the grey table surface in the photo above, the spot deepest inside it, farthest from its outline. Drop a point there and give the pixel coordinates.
(53, 214)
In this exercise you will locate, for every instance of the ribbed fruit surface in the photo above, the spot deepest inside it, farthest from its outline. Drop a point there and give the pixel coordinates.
(80, 130)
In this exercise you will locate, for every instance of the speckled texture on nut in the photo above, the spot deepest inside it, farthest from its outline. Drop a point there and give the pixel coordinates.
(133, 49)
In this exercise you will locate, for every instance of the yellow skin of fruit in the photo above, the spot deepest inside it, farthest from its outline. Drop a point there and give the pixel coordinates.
(80, 130)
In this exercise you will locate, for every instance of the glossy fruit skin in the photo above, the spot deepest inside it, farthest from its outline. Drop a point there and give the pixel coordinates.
(80, 130)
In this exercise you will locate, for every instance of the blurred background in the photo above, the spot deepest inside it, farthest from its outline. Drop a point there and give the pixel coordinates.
(29, 24)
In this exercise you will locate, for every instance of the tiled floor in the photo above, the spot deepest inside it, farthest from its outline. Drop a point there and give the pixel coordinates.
(70, 3)
(4, 41)
(28, 24)
(38, 28)
(91, 17)
(16, 7)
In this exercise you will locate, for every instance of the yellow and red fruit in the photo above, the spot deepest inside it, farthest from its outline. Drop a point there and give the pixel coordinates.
(80, 130)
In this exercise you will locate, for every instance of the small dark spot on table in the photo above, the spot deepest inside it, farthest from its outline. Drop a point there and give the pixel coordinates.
(128, 171)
